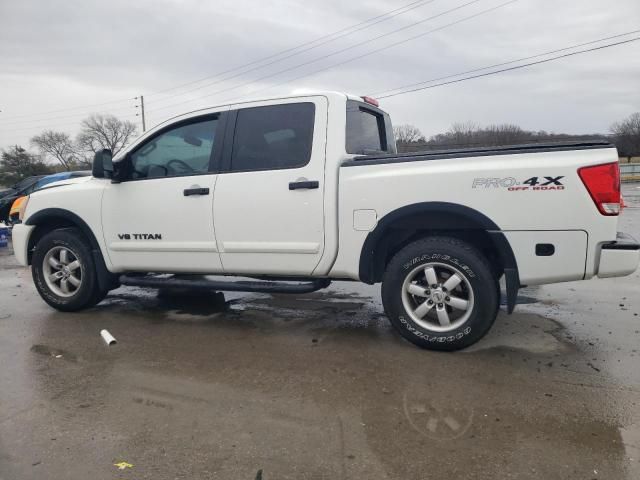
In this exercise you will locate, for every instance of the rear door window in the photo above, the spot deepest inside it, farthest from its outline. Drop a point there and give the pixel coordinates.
(273, 137)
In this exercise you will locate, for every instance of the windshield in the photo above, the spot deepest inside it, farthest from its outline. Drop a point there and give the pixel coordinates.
(26, 183)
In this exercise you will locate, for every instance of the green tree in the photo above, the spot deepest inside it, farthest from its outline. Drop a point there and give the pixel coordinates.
(16, 163)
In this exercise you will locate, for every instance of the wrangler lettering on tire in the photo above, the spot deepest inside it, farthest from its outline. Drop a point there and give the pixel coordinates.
(440, 293)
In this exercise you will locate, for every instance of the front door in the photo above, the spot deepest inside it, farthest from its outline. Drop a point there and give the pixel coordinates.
(160, 218)
(268, 205)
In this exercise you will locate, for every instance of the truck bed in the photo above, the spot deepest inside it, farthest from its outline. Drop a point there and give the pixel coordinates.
(504, 184)
(475, 152)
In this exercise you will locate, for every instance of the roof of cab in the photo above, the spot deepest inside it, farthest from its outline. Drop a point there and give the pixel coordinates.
(295, 94)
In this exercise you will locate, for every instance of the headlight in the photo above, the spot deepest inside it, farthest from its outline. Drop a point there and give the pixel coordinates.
(23, 208)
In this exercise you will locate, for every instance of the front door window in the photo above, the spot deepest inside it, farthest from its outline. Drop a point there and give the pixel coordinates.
(184, 150)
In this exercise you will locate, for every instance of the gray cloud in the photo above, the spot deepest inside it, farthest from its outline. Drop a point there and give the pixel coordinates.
(55, 55)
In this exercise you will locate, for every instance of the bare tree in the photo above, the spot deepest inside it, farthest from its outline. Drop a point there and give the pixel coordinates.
(57, 145)
(504, 134)
(407, 134)
(627, 133)
(472, 135)
(105, 131)
(462, 134)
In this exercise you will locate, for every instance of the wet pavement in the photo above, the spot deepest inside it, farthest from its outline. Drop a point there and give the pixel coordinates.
(318, 386)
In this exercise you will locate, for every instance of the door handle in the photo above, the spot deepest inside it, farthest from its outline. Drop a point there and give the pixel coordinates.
(196, 191)
(304, 184)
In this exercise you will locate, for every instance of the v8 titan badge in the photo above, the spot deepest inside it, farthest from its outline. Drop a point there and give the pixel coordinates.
(513, 184)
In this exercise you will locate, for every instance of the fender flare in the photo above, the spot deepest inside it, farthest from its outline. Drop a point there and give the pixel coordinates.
(47, 214)
(106, 279)
(459, 217)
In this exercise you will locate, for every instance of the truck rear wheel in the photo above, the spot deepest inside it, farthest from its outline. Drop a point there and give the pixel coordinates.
(64, 272)
(440, 293)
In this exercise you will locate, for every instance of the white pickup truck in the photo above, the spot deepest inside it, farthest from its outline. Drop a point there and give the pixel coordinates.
(297, 191)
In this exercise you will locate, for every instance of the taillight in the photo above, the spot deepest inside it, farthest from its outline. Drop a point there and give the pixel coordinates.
(603, 184)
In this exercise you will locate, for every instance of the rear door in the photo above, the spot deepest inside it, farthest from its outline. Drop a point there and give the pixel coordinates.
(268, 205)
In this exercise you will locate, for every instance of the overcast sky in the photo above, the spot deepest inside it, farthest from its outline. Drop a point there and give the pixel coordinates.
(57, 55)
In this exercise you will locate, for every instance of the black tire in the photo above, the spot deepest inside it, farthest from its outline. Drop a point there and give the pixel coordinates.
(98, 296)
(479, 289)
(88, 292)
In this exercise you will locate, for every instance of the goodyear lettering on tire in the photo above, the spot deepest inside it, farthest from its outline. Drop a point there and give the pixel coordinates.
(433, 338)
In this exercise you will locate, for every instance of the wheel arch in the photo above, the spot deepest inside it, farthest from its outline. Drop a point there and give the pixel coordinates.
(406, 224)
(49, 219)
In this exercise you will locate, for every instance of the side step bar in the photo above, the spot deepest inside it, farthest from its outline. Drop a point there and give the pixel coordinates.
(200, 283)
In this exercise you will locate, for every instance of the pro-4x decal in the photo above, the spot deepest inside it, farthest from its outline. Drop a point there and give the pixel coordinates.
(542, 183)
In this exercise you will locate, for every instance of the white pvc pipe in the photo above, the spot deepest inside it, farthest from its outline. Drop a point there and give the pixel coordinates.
(107, 337)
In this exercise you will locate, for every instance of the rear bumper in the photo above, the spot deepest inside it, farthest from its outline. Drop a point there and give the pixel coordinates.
(20, 238)
(619, 258)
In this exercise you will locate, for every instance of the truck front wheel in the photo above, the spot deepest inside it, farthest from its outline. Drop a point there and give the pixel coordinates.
(64, 271)
(440, 293)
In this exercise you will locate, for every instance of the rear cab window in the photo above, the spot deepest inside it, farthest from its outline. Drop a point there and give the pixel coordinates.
(369, 130)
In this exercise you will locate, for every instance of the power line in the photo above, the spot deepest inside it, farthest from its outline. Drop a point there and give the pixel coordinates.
(74, 108)
(357, 57)
(517, 67)
(309, 46)
(402, 88)
(350, 48)
(377, 94)
(325, 39)
(45, 127)
(63, 117)
(390, 14)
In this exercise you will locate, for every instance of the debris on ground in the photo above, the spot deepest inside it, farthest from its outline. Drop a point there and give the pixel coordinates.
(107, 337)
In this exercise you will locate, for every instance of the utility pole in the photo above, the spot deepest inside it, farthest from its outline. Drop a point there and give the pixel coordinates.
(144, 127)
(141, 106)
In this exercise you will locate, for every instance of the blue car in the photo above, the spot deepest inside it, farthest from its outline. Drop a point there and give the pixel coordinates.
(56, 177)
(7, 201)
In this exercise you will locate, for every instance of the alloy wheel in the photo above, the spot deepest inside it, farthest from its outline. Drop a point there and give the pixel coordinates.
(437, 297)
(62, 271)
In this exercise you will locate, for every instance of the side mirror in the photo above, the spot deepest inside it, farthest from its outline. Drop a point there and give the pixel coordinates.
(103, 164)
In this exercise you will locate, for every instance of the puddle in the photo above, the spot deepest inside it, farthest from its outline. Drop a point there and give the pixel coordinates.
(526, 332)
(54, 352)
